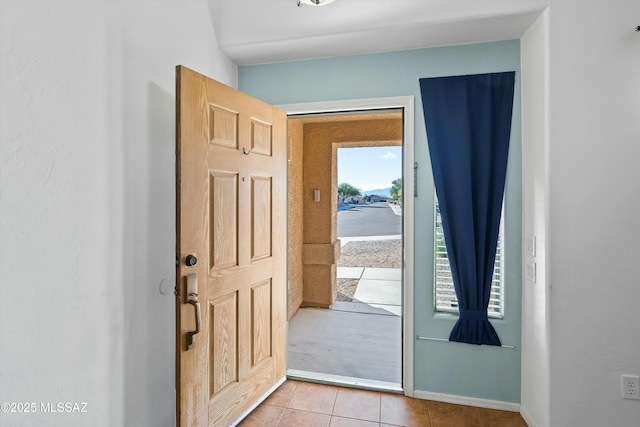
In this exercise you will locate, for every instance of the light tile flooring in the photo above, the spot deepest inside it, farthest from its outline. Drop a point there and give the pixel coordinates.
(300, 404)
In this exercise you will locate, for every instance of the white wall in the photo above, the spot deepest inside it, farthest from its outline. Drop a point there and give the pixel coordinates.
(594, 207)
(534, 49)
(87, 203)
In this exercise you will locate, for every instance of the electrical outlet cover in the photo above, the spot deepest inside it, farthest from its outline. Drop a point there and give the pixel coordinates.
(631, 387)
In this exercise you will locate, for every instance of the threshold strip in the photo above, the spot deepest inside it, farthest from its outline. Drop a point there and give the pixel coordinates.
(344, 381)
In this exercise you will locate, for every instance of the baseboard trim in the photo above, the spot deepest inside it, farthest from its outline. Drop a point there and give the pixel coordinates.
(469, 401)
(527, 417)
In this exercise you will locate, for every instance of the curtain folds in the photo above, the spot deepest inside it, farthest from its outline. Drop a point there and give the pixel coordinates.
(468, 121)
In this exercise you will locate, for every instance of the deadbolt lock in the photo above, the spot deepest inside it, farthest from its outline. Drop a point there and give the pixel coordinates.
(191, 260)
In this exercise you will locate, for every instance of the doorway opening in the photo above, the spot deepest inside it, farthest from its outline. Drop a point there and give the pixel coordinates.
(346, 321)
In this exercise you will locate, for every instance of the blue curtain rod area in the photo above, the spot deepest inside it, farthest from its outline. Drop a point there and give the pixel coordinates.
(512, 347)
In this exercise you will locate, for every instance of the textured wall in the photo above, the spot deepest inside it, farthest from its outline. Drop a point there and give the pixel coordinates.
(593, 206)
(320, 218)
(295, 215)
(87, 235)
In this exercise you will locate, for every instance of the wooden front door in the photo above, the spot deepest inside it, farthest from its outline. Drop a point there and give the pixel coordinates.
(231, 222)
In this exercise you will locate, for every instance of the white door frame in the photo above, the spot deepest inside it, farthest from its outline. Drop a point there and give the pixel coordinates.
(405, 103)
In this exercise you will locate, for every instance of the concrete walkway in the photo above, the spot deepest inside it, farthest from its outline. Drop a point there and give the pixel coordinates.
(379, 290)
(397, 209)
(346, 344)
(361, 339)
(345, 240)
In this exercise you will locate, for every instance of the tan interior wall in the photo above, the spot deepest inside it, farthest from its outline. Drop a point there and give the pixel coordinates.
(321, 249)
(295, 220)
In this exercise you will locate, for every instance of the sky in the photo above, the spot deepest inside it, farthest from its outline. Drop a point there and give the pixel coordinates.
(369, 168)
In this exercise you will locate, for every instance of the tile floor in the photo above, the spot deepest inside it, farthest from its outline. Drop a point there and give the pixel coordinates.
(300, 404)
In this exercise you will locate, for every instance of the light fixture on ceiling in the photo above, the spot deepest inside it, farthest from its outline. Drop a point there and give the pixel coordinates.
(314, 2)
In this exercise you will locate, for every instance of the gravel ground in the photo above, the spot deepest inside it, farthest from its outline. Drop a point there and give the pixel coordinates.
(371, 254)
(346, 289)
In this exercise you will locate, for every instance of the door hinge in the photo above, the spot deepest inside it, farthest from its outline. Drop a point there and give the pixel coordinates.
(176, 291)
(415, 179)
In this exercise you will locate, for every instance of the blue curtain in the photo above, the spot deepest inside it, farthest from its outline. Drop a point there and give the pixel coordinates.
(468, 121)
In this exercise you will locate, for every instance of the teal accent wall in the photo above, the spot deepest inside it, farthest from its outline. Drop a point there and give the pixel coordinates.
(440, 367)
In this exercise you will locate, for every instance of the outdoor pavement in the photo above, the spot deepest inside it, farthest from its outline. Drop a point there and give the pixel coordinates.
(396, 208)
(361, 339)
(376, 219)
(379, 289)
(346, 344)
(345, 240)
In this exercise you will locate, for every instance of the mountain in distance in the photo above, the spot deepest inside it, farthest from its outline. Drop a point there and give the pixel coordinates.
(379, 192)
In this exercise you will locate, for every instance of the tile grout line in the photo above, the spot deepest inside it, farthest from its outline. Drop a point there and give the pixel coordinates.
(281, 416)
(333, 408)
(286, 406)
(312, 412)
(295, 387)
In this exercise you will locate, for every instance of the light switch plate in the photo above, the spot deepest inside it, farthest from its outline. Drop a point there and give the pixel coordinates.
(530, 245)
(530, 271)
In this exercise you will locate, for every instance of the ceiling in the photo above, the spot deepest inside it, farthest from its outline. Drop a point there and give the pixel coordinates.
(261, 31)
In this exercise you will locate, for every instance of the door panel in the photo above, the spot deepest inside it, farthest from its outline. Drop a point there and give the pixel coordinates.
(261, 217)
(231, 214)
(223, 337)
(223, 127)
(223, 200)
(261, 138)
(261, 321)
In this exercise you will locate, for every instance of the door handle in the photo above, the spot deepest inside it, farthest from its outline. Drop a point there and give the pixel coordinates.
(192, 298)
